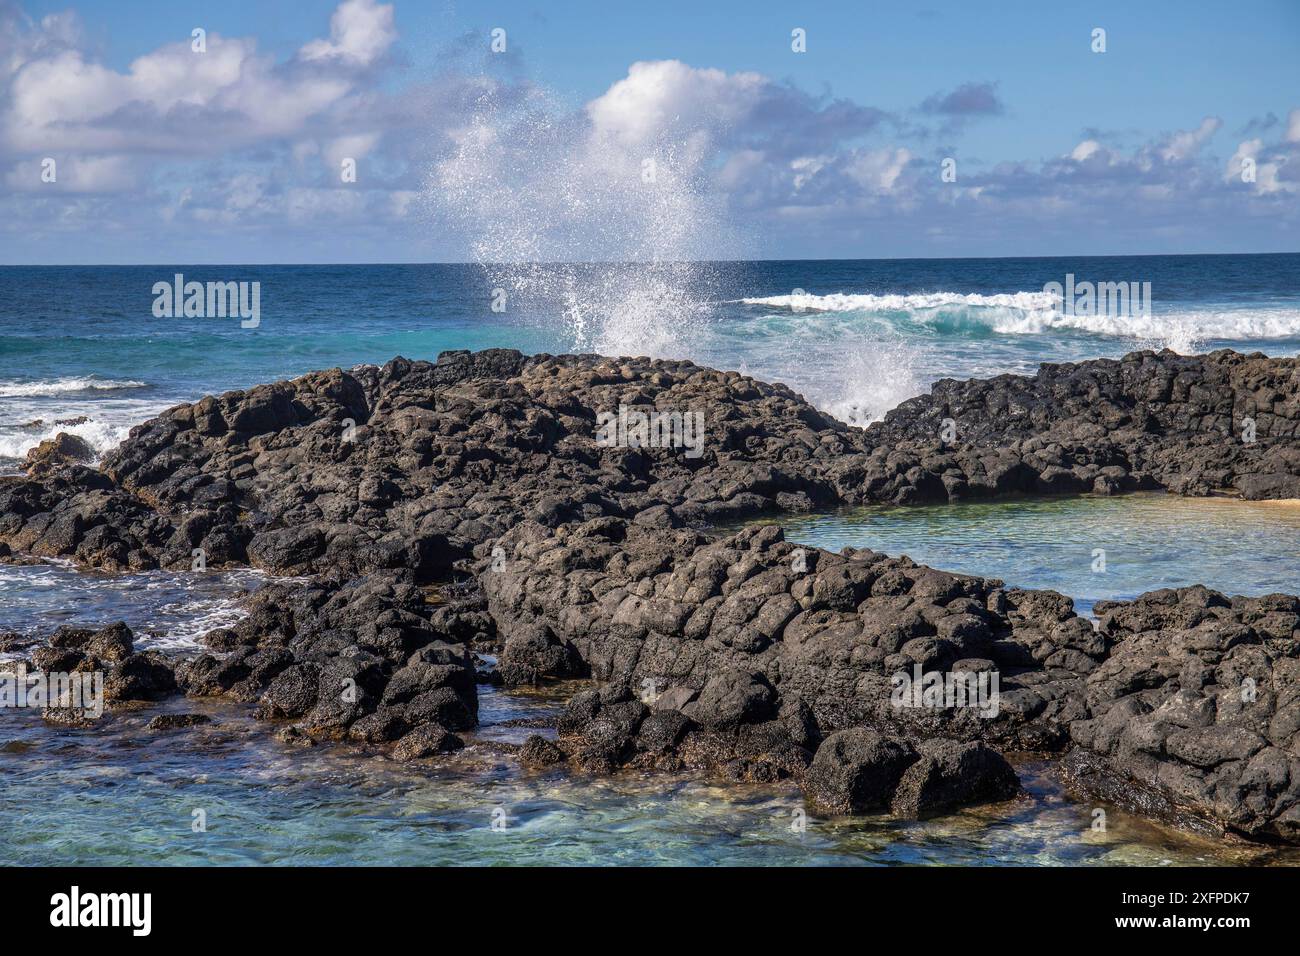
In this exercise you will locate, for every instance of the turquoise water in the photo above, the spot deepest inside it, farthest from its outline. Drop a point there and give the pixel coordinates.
(121, 794)
(1147, 541)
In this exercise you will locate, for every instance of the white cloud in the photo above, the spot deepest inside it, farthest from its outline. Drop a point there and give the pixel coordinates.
(659, 97)
(233, 136)
(177, 100)
(360, 32)
(878, 170)
(1087, 149)
(1185, 143)
(349, 147)
(76, 174)
(1268, 164)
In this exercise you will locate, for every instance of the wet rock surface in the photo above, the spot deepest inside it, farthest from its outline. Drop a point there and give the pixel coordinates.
(63, 449)
(430, 513)
(1223, 423)
(177, 721)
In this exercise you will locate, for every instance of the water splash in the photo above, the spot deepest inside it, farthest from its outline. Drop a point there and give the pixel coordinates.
(578, 223)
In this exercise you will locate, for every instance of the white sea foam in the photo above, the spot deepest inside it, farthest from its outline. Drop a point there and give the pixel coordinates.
(1031, 313)
(101, 436)
(851, 302)
(109, 417)
(30, 412)
(168, 610)
(60, 386)
(859, 381)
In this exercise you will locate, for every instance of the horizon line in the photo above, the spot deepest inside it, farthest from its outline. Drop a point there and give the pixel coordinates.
(617, 262)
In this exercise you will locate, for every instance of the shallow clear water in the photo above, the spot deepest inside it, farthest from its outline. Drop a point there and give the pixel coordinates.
(165, 610)
(121, 794)
(1146, 542)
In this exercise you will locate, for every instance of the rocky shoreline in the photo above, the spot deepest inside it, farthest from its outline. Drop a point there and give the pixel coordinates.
(430, 513)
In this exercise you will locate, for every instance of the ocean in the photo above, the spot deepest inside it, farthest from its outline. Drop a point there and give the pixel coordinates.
(854, 337)
(82, 351)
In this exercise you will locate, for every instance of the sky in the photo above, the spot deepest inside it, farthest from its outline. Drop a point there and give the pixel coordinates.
(583, 130)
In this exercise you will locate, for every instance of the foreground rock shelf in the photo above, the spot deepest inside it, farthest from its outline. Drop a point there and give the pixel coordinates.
(431, 512)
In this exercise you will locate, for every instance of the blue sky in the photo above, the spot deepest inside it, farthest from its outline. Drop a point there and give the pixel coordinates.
(164, 154)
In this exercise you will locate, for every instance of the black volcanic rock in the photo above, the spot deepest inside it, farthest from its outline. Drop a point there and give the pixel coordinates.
(1196, 425)
(177, 721)
(857, 770)
(948, 775)
(1200, 699)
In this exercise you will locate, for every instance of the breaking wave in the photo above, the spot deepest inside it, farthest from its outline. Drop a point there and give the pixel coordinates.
(101, 436)
(1032, 313)
(61, 386)
(99, 410)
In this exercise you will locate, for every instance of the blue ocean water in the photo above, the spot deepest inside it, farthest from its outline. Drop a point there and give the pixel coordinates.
(81, 351)
(855, 337)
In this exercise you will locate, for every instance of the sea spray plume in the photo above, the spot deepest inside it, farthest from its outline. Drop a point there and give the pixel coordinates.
(572, 219)
(854, 366)
(872, 378)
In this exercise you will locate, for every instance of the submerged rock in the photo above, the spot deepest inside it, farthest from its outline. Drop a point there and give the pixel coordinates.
(177, 721)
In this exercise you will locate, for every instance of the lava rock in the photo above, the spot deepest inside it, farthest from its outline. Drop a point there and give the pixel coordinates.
(857, 771)
(951, 774)
(537, 752)
(427, 740)
(177, 721)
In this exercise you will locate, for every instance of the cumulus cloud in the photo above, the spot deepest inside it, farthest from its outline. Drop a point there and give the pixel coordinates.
(75, 174)
(179, 100)
(204, 135)
(360, 32)
(1187, 143)
(650, 167)
(668, 98)
(638, 109)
